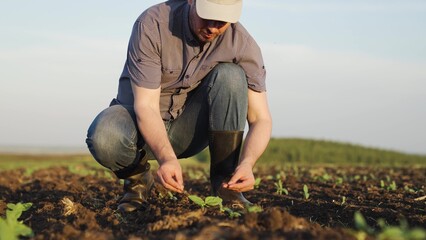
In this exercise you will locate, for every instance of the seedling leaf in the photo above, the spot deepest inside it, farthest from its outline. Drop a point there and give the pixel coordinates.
(213, 201)
(254, 209)
(197, 200)
(257, 182)
(10, 227)
(15, 210)
(23, 230)
(305, 191)
(361, 224)
(232, 213)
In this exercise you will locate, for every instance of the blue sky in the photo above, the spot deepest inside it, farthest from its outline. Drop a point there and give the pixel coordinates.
(352, 71)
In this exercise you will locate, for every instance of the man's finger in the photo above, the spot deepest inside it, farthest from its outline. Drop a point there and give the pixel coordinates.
(171, 181)
(240, 188)
(166, 183)
(179, 180)
(243, 185)
(234, 179)
(246, 189)
(171, 188)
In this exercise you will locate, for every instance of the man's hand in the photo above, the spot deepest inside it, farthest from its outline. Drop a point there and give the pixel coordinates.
(260, 127)
(242, 179)
(152, 128)
(170, 175)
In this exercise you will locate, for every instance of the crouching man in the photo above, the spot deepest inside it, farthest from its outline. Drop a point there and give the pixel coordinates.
(192, 78)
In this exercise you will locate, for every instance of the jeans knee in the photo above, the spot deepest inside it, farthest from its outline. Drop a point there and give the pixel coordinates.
(112, 138)
(229, 77)
(227, 97)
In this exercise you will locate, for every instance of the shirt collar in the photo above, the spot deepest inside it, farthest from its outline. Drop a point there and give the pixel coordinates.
(189, 37)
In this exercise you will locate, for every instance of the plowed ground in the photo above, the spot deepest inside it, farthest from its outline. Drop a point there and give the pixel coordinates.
(70, 205)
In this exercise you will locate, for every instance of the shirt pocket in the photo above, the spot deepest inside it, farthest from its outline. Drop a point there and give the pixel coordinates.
(169, 77)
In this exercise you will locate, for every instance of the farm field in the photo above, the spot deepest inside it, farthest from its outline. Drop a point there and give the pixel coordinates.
(79, 202)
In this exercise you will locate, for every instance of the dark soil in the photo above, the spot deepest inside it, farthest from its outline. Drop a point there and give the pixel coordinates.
(71, 206)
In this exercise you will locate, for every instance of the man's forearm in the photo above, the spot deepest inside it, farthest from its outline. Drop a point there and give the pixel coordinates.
(152, 128)
(256, 141)
(154, 133)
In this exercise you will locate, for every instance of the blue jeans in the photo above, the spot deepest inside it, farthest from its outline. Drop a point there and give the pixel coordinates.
(219, 103)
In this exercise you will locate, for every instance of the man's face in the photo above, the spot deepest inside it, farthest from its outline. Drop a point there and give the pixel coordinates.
(205, 30)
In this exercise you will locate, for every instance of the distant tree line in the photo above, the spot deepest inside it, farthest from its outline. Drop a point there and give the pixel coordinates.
(296, 150)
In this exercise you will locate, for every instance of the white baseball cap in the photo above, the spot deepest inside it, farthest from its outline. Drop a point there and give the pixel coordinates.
(220, 10)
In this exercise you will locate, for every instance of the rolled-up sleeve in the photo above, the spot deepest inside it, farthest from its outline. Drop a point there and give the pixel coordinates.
(143, 55)
(253, 65)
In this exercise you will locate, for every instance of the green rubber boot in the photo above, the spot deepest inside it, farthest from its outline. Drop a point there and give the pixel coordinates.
(225, 147)
(137, 186)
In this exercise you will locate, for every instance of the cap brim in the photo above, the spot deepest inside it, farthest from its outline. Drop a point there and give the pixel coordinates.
(219, 12)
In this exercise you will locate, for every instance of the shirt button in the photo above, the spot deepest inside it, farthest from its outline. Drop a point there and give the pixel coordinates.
(186, 76)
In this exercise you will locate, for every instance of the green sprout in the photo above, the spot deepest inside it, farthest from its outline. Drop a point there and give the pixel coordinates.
(339, 181)
(343, 200)
(210, 201)
(408, 189)
(197, 200)
(280, 188)
(278, 176)
(386, 232)
(392, 186)
(361, 224)
(171, 196)
(305, 191)
(399, 232)
(257, 182)
(325, 177)
(10, 227)
(254, 209)
(269, 177)
(232, 213)
(388, 179)
(382, 184)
